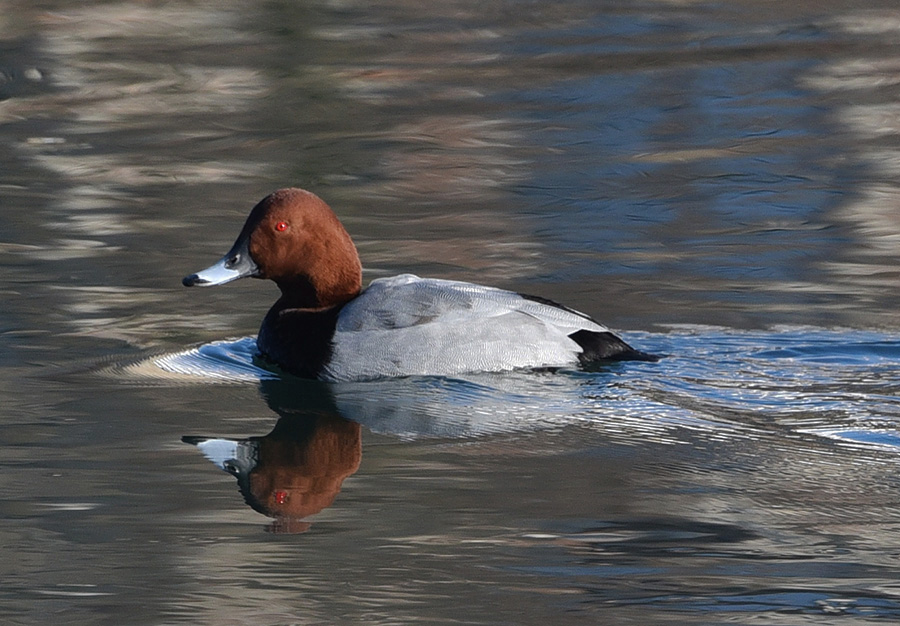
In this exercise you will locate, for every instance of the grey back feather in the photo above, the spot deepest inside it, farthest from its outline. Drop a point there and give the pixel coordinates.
(406, 325)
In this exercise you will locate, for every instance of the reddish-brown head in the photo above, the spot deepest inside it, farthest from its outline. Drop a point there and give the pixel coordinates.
(293, 238)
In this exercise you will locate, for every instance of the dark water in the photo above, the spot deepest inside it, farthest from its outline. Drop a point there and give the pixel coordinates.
(719, 181)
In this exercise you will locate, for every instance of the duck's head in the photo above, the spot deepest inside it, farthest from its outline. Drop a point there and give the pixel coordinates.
(293, 238)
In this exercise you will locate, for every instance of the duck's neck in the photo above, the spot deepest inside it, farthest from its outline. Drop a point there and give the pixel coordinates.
(303, 293)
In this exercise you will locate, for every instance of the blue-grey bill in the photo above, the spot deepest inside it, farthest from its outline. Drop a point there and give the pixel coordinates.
(217, 274)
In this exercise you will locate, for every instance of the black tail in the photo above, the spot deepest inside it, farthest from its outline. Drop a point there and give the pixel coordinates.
(605, 346)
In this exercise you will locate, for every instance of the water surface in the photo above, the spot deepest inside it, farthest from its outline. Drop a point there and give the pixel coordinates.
(718, 181)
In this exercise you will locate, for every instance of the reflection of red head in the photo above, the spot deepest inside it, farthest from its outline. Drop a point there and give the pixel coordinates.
(296, 477)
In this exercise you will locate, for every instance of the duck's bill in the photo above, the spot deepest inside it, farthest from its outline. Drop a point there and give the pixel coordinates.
(236, 264)
(237, 457)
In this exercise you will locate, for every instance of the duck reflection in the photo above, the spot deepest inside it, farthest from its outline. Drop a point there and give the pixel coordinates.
(297, 469)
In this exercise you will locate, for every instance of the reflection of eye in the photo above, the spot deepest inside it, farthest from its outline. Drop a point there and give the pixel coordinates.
(280, 497)
(281, 226)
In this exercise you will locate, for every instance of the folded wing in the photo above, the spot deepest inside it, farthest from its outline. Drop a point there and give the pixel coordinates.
(407, 325)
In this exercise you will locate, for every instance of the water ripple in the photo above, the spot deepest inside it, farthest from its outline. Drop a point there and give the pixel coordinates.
(828, 384)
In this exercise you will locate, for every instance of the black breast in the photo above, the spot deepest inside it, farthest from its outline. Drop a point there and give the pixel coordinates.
(298, 341)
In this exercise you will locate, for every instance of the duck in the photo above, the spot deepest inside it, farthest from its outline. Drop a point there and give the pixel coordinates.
(326, 326)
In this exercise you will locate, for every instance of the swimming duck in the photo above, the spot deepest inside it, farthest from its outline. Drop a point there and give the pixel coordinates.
(326, 326)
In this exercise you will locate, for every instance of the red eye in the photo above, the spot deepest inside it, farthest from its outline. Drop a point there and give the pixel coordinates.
(281, 226)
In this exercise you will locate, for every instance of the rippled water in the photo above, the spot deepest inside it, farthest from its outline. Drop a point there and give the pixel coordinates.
(716, 180)
(721, 382)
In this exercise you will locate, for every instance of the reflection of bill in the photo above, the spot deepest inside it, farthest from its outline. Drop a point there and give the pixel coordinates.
(293, 472)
